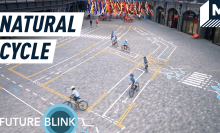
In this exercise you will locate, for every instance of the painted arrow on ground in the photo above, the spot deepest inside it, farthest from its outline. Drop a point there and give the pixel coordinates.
(16, 90)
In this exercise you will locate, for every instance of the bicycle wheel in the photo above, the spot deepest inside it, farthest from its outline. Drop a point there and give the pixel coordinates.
(112, 43)
(68, 103)
(137, 87)
(128, 49)
(131, 92)
(116, 44)
(83, 105)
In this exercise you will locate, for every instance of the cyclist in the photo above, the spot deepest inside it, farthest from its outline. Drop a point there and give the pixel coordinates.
(133, 80)
(74, 95)
(125, 44)
(145, 62)
(112, 34)
(115, 41)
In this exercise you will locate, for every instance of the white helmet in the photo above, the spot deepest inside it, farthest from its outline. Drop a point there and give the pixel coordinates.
(72, 88)
(126, 40)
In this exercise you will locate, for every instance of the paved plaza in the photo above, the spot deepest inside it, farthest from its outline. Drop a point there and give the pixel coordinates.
(179, 94)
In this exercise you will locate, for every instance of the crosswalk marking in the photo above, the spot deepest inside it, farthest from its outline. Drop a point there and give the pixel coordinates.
(197, 79)
(95, 36)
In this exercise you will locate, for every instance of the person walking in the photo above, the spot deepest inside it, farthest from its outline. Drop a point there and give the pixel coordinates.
(91, 23)
(97, 21)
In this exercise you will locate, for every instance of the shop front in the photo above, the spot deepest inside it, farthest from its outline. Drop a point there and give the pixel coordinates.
(190, 21)
(160, 16)
(173, 18)
(213, 34)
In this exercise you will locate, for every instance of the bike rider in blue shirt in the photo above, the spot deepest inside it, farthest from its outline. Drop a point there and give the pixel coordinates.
(115, 41)
(74, 95)
(145, 62)
(133, 80)
(112, 34)
(125, 44)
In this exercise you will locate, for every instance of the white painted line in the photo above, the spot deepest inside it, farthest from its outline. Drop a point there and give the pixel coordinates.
(119, 82)
(141, 91)
(35, 94)
(14, 82)
(2, 75)
(51, 103)
(97, 130)
(20, 85)
(61, 62)
(119, 97)
(52, 72)
(76, 65)
(27, 90)
(23, 101)
(43, 98)
(194, 79)
(7, 78)
(197, 77)
(192, 84)
(40, 78)
(200, 74)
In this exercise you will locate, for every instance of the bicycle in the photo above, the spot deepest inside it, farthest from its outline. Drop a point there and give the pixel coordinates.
(133, 88)
(112, 36)
(83, 105)
(146, 68)
(115, 43)
(126, 49)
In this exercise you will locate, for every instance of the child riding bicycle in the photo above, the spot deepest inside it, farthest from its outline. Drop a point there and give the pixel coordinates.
(74, 95)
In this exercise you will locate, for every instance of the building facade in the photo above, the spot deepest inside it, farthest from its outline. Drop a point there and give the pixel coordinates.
(184, 16)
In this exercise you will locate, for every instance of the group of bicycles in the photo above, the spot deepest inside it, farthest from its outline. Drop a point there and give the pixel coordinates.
(83, 105)
(123, 47)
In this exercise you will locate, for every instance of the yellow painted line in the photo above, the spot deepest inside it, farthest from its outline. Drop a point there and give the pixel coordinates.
(153, 77)
(98, 53)
(0, 87)
(142, 28)
(62, 44)
(129, 27)
(155, 74)
(96, 102)
(51, 80)
(110, 52)
(133, 29)
(101, 27)
(119, 27)
(85, 49)
(131, 60)
(152, 64)
(37, 73)
(137, 54)
(135, 67)
(15, 66)
(166, 61)
(57, 93)
(156, 64)
(17, 73)
(124, 115)
(149, 55)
